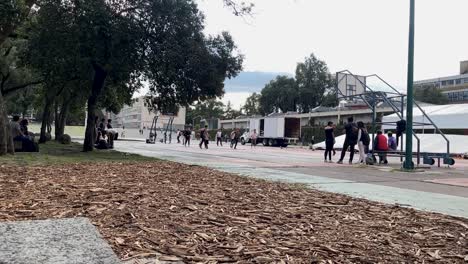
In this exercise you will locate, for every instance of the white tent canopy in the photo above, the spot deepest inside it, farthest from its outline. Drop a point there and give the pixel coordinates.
(429, 143)
(444, 116)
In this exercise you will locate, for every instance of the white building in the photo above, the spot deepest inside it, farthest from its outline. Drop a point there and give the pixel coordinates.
(455, 87)
(318, 118)
(139, 116)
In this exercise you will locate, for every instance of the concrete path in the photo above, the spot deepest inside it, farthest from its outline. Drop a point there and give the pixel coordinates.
(54, 242)
(443, 190)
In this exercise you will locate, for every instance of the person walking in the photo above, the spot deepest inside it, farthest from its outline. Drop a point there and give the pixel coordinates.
(179, 133)
(219, 138)
(204, 137)
(234, 138)
(253, 139)
(329, 141)
(187, 137)
(363, 142)
(351, 135)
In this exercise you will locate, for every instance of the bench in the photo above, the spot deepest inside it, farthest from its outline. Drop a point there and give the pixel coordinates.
(428, 158)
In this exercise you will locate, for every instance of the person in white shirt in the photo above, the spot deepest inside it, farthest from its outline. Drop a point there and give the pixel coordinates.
(219, 138)
(253, 138)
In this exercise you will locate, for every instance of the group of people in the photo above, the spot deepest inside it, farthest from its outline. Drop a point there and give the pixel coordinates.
(186, 135)
(105, 134)
(357, 134)
(234, 137)
(19, 132)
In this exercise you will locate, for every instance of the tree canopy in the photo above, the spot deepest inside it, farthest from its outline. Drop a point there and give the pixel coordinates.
(313, 81)
(430, 94)
(311, 87)
(252, 105)
(98, 53)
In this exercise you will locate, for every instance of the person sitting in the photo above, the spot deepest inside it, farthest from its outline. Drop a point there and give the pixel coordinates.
(110, 133)
(24, 128)
(392, 142)
(102, 141)
(18, 135)
(102, 125)
(381, 146)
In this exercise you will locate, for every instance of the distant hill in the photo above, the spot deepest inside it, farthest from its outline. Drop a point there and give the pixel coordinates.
(250, 81)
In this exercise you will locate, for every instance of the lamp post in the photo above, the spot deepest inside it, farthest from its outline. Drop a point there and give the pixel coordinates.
(408, 164)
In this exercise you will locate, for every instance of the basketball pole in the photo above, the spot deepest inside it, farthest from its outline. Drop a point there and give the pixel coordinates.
(408, 164)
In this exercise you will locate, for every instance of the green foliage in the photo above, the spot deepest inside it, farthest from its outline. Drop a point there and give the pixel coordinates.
(183, 65)
(55, 153)
(65, 139)
(231, 113)
(330, 99)
(430, 94)
(313, 81)
(312, 87)
(22, 101)
(211, 108)
(252, 105)
(280, 94)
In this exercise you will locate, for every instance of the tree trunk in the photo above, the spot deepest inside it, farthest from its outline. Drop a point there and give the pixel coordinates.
(4, 128)
(60, 120)
(98, 84)
(45, 121)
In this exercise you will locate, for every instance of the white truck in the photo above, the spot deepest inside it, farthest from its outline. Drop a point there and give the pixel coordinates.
(278, 130)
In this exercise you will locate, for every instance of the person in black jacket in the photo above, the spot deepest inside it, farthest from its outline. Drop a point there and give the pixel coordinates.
(351, 131)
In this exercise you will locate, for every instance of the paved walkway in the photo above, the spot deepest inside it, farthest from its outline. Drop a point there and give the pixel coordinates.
(443, 190)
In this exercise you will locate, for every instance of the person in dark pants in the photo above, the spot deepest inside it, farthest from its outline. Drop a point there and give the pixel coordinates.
(219, 138)
(17, 135)
(179, 133)
(204, 137)
(235, 138)
(381, 146)
(329, 141)
(187, 136)
(351, 131)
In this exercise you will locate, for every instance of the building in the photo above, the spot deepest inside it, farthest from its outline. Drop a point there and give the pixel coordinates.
(455, 87)
(138, 115)
(339, 115)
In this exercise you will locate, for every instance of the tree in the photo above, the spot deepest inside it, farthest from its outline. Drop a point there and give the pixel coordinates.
(231, 113)
(430, 94)
(239, 8)
(330, 99)
(183, 65)
(12, 15)
(211, 108)
(280, 95)
(313, 81)
(252, 105)
(13, 78)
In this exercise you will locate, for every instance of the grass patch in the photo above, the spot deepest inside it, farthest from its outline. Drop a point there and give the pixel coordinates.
(73, 131)
(53, 153)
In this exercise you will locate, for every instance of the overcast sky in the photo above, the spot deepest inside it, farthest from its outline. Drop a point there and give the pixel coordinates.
(364, 36)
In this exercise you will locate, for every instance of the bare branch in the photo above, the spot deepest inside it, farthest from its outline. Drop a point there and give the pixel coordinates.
(239, 8)
(19, 87)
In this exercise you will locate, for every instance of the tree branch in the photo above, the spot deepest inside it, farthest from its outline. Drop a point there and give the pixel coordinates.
(4, 79)
(19, 87)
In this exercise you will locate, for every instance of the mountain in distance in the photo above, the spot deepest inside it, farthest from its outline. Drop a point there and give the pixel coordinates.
(250, 82)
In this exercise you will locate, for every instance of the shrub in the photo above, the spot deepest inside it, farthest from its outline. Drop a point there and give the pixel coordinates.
(65, 139)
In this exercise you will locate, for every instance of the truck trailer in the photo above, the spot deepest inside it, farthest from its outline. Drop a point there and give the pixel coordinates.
(278, 130)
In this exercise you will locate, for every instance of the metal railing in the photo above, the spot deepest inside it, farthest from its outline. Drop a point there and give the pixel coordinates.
(398, 109)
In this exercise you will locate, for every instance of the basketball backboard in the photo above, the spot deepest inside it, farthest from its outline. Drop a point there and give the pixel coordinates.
(349, 86)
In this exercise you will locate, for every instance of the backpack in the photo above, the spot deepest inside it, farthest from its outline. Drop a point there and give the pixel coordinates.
(365, 138)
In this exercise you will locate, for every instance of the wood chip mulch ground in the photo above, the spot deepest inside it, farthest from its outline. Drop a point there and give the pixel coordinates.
(200, 215)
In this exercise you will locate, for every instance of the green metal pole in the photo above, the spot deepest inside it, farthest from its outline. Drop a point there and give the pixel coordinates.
(408, 164)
